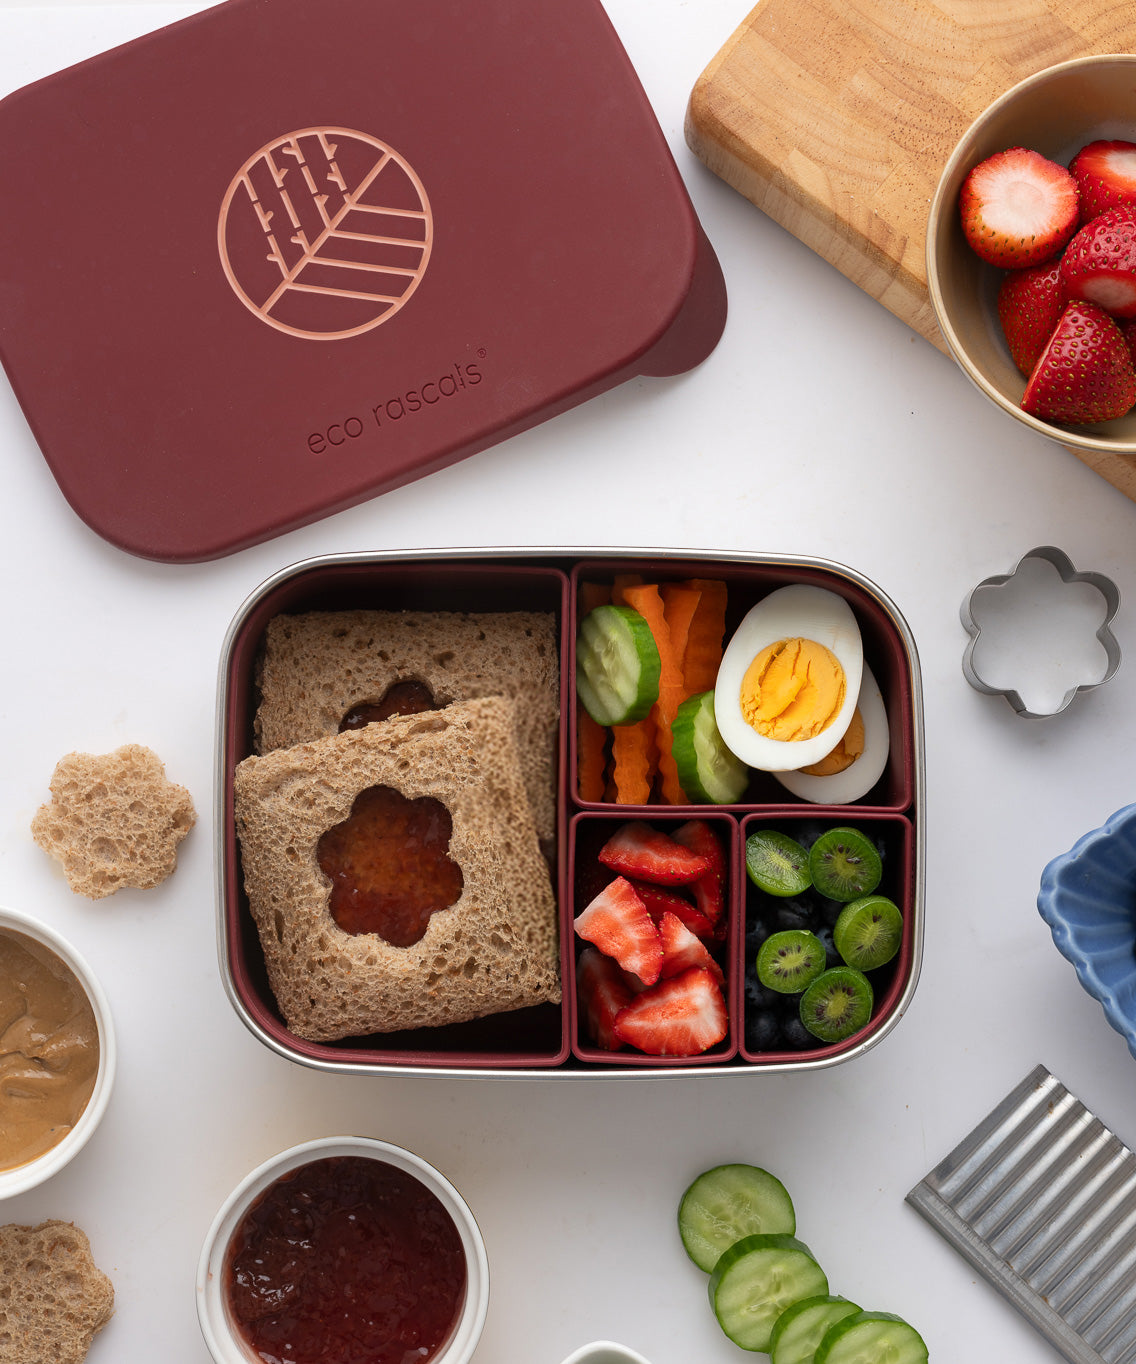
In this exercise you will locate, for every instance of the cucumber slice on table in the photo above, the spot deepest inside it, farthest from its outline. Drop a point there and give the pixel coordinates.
(871, 1338)
(730, 1202)
(756, 1280)
(617, 665)
(707, 771)
(800, 1329)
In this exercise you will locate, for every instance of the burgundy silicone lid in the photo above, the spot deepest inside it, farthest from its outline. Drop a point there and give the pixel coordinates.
(279, 257)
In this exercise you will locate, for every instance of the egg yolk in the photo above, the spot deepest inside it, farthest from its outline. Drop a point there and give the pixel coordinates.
(844, 754)
(792, 690)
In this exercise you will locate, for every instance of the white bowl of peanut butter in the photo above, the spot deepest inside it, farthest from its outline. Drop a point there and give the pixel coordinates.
(57, 1052)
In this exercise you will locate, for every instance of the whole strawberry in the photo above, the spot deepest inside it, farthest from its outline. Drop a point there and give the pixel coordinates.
(1085, 373)
(1099, 264)
(1030, 304)
(1105, 172)
(1018, 208)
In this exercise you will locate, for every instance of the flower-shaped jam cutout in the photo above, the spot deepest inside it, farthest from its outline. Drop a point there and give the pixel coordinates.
(1040, 633)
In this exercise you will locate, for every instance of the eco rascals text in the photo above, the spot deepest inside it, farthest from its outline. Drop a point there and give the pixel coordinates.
(391, 410)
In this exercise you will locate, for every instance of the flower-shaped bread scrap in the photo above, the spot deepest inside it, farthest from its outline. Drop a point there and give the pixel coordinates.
(114, 820)
(55, 1297)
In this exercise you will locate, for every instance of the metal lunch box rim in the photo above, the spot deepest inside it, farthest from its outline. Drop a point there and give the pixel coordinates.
(573, 553)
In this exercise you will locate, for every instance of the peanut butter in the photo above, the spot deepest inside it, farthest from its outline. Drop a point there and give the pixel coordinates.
(49, 1049)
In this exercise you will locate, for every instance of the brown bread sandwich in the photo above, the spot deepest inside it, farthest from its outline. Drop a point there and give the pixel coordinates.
(395, 875)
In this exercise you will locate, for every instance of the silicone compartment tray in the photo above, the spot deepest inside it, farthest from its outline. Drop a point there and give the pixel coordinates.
(548, 1041)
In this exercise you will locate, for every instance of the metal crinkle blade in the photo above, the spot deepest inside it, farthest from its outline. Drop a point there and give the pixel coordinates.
(1041, 1199)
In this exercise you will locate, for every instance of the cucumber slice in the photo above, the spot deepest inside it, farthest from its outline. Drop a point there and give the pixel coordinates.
(707, 771)
(730, 1202)
(756, 1280)
(871, 1338)
(617, 665)
(800, 1328)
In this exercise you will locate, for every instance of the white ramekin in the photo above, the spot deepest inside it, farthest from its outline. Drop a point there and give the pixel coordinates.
(220, 1334)
(604, 1352)
(25, 1177)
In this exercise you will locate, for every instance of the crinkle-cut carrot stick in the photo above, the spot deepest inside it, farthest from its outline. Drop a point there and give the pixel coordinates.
(592, 595)
(649, 603)
(633, 761)
(591, 756)
(704, 642)
(622, 581)
(680, 605)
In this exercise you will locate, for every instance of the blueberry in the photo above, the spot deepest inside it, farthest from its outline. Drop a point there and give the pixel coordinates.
(759, 997)
(795, 1035)
(831, 956)
(793, 914)
(762, 1030)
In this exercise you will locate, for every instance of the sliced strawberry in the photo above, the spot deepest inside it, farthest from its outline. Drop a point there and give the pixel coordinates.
(1018, 208)
(710, 888)
(662, 900)
(682, 1016)
(1085, 373)
(637, 850)
(1030, 304)
(1105, 173)
(601, 992)
(681, 949)
(1099, 265)
(618, 924)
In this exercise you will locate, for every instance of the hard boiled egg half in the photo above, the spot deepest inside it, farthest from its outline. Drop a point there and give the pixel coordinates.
(789, 679)
(858, 760)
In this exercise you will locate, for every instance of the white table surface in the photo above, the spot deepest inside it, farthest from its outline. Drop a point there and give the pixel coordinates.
(821, 425)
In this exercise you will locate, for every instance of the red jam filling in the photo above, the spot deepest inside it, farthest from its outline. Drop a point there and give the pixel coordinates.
(402, 698)
(346, 1260)
(389, 866)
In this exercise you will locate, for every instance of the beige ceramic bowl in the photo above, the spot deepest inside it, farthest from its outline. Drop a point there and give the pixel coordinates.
(1054, 112)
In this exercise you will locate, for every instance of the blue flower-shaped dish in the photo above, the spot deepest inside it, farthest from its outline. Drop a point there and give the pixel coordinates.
(1088, 899)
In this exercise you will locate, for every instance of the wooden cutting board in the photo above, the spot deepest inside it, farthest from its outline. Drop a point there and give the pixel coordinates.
(836, 117)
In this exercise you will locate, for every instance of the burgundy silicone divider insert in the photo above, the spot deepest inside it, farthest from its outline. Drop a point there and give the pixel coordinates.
(587, 877)
(896, 836)
(884, 651)
(528, 1038)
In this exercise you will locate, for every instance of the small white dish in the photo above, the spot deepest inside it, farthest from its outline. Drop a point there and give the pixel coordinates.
(24, 1177)
(604, 1352)
(217, 1327)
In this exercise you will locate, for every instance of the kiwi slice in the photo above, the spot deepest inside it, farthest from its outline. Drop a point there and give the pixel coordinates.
(776, 863)
(790, 960)
(837, 1004)
(844, 864)
(868, 932)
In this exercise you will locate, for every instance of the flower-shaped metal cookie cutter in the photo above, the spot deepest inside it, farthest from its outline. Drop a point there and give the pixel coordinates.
(978, 675)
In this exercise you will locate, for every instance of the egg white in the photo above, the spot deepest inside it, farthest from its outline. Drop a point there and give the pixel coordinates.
(797, 611)
(842, 788)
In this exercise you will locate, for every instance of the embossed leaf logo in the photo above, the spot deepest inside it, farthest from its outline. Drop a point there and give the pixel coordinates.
(325, 233)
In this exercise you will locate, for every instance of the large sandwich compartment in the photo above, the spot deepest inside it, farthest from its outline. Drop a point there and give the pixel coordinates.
(551, 1039)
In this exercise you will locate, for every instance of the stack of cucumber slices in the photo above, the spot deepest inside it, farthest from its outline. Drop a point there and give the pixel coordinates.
(820, 927)
(767, 1290)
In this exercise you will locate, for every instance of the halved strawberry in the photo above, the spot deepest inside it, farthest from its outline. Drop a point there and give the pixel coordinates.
(1105, 172)
(710, 888)
(1018, 208)
(681, 949)
(1030, 304)
(661, 900)
(1085, 373)
(1099, 264)
(601, 992)
(682, 1016)
(618, 924)
(637, 850)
